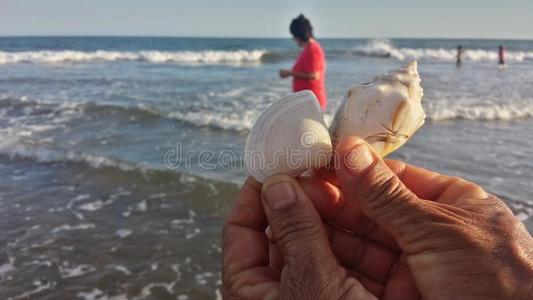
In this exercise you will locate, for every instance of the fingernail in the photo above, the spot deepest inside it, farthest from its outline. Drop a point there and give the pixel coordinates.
(359, 159)
(280, 195)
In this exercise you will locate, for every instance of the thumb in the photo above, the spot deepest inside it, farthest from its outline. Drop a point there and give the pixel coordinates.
(368, 182)
(298, 232)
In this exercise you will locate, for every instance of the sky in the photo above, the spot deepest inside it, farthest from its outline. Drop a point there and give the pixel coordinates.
(509, 19)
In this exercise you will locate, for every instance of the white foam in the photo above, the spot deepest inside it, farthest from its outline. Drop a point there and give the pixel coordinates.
(39, 288)
(119, 297)
(43, 243)
(189, 220)
(82, 197)
(385, 48)
(141, 206)
(79, 216)
(40, 260)
(127, 212)
(229, 121)
(120, 193)
(176, 269)
(485, 112)
(123, 233)
(96, 205)
(194, 233)
(122, 269)
(93, 206)
(157, 196)
(40, 128)
(67, 227)
(200, 280)
(7, 267)
(233, 93)
(239, 120)
(187, 178)
(67, 272)
(147, 290)
(189, 57)
(95, 294)
(10, 146)
(522, 216)
(79, 198)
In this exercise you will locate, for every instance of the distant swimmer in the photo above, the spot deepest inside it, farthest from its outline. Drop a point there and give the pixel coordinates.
(460, 52)
(501, 56)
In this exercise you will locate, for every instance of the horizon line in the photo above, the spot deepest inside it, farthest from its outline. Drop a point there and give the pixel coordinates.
(254, 37)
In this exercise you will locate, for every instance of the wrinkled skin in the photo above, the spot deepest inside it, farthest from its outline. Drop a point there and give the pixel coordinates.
(368, 229)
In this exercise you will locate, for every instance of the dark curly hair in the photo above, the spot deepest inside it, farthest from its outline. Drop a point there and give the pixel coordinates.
(301, 28)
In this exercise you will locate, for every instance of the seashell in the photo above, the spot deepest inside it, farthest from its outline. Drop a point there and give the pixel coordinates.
(386, 112)
(290, 137)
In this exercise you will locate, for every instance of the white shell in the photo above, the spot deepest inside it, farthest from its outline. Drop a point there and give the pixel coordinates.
(290, 137)
(385, 112)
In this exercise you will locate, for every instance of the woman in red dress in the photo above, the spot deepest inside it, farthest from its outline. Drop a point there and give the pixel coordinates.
(309, 71)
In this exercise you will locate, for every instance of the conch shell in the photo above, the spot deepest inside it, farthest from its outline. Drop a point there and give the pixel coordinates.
(386, 112)
(291, 137)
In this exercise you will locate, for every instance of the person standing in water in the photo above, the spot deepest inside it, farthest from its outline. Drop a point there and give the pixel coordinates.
(309, 71)
(501, 55)
(460, 52)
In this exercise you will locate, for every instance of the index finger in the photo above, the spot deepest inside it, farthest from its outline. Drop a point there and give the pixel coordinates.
(429, 185)
(247, 210)
(245, 245)
(426, 184)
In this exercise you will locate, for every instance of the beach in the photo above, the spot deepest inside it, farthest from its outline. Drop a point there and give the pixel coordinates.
(121, 156)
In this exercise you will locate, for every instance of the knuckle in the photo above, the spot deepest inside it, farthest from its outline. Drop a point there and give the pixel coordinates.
(295, 231)
(467, 187)
(496, 205)
(456, 180)
(487, 210)
(385, 189)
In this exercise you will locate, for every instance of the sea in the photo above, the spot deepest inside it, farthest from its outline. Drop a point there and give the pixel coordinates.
(120, 156)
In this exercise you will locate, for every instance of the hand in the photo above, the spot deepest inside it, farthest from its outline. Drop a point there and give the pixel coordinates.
(453, 239)
(459, 241)
(301, 265)
(285, 73)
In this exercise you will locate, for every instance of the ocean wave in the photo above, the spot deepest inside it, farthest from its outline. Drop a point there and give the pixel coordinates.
(11, 147)
(489, 112)
(373, 48)
(178, 57)
(243, 121)
(232, 121)
(226, 121)
(385, 48)
(14, 149)
(239, 121)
